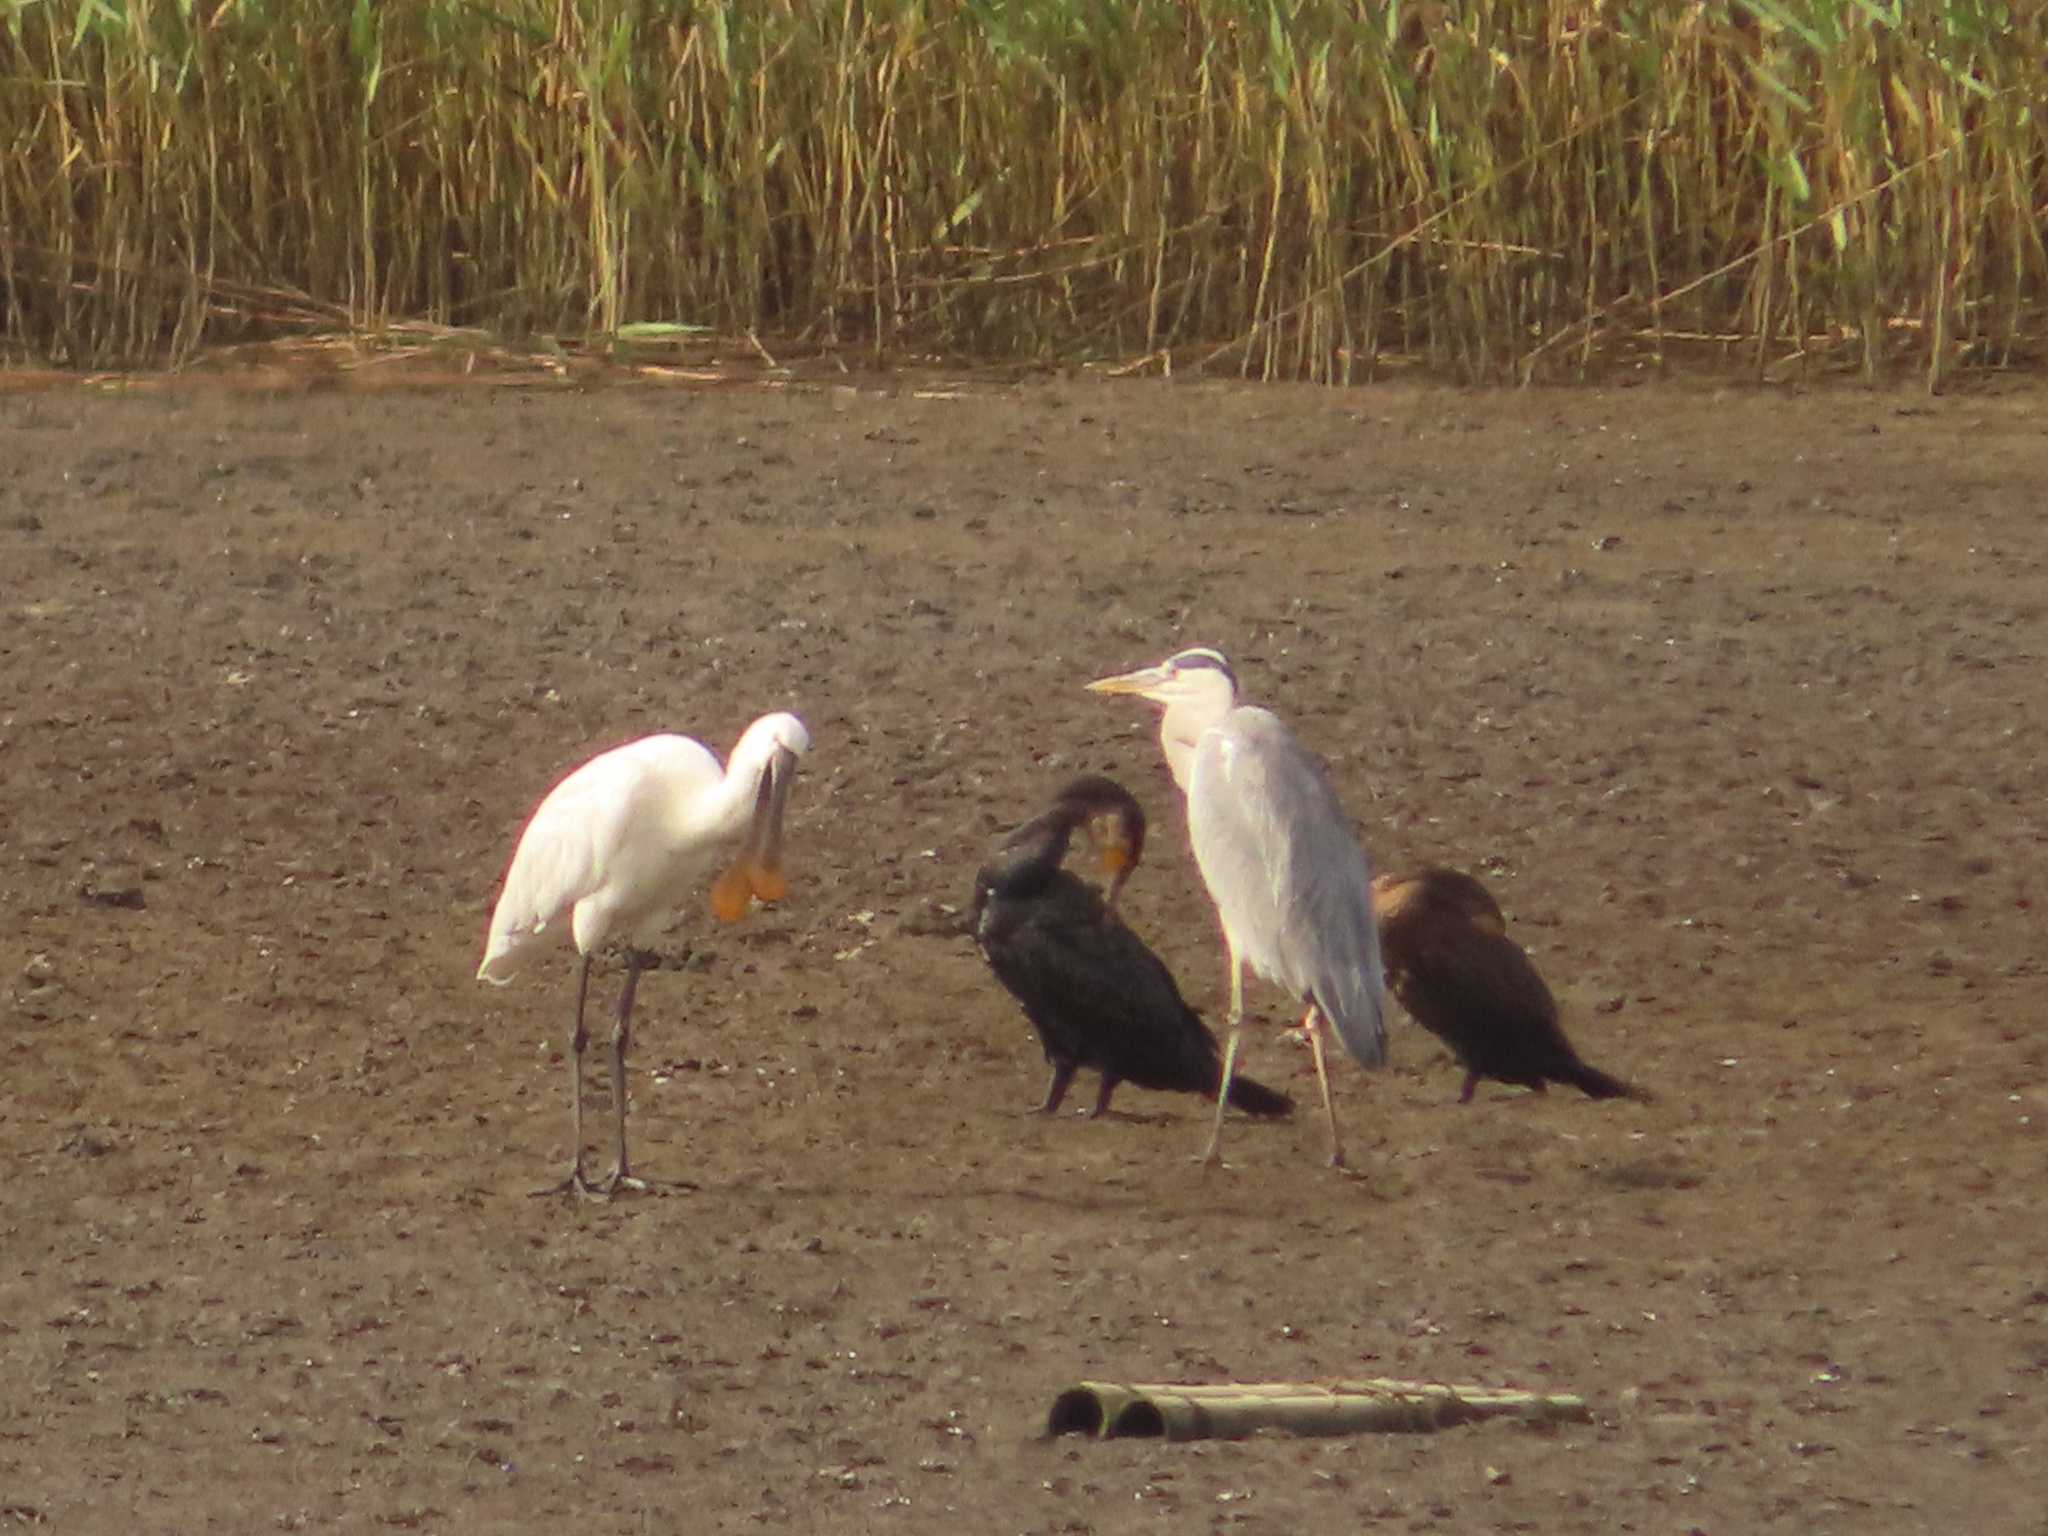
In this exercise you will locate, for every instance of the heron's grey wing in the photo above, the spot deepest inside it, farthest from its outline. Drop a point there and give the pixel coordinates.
(1287, 874)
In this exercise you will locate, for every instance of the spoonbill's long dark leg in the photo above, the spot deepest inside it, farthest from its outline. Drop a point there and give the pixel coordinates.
(576, 1183)
(637, 960)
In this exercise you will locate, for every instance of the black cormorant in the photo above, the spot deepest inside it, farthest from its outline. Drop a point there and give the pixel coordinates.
(1095, 993)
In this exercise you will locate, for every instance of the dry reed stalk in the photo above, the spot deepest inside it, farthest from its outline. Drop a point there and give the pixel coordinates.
(1299, 186)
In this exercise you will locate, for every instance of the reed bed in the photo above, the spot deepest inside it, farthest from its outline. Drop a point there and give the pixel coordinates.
(1286, 188)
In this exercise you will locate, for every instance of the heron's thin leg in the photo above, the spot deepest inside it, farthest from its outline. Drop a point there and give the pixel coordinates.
(1312, 1026)
(622, 1036)
(1214, 1155)
(1056, 1087)
(1471, 1086)
(576, 1183)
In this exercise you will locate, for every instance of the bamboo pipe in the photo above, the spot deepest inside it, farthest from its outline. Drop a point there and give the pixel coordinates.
(1232, 1410)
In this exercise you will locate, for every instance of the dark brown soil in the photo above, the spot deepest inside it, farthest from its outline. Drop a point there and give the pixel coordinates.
(1733, 698)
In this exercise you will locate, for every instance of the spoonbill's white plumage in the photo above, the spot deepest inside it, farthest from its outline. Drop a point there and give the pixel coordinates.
(616, 848)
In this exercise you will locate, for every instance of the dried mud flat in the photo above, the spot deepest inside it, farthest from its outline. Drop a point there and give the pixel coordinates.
(1733, 697)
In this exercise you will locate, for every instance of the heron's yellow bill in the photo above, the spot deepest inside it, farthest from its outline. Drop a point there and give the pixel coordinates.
(1139, 682)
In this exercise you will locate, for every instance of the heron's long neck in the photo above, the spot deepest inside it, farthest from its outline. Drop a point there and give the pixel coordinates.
(1179, 730)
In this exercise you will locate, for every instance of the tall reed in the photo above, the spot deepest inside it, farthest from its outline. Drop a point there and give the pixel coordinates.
(1287, 188)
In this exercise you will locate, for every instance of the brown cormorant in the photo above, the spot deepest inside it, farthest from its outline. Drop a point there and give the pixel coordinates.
(1450, 963)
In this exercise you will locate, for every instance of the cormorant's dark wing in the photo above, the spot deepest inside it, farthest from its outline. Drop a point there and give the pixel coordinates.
(1093, 990)
(1483, 997)
(1480, 995)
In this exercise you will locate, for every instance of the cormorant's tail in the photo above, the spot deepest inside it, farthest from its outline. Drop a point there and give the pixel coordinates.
(1255, 1098)
(1596, 1084)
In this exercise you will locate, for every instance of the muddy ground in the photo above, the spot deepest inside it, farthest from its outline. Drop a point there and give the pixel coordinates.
(1733, 697)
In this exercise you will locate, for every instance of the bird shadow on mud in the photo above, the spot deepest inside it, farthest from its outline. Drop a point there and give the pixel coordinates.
(1138, 1196)
(1647, 1173)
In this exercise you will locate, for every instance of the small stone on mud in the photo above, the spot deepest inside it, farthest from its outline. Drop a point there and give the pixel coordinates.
(83, 1143)
(129, 897)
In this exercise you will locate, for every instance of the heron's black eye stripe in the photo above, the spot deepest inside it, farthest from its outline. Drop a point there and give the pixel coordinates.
(1202, 656)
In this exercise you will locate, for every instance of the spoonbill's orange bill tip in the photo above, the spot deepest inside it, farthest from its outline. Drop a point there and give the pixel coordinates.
(730, 893)
(767, 883)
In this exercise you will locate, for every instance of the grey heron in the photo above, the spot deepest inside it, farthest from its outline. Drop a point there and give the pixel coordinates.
(618, 846)
(1451, 964)
(1094, 992)
(1289, 880)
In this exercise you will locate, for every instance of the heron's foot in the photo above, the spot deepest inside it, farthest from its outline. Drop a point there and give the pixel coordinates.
(578, 1183)
(1346, 1171)
(631, 1184)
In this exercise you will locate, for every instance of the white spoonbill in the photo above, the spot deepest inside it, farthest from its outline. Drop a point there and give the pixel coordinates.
(1289, 881)
(618, 846)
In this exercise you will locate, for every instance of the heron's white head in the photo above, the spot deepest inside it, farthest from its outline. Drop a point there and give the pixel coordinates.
(764, 759)
(1198, 689)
